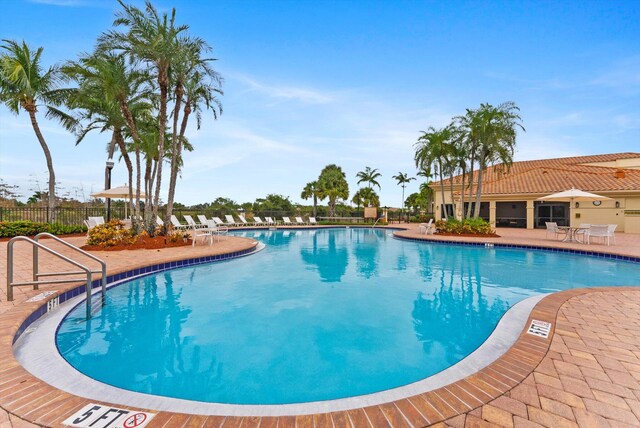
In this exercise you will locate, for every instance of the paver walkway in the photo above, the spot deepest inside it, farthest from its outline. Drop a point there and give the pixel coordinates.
(588, 376)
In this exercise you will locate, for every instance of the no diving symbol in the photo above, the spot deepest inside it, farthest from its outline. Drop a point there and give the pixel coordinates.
(134, 420)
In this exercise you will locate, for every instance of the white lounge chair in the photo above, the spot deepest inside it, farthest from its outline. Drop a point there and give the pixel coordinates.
(190, 221)
(159, 221)
(203, 220)
(243, 221)
(552, 227)
(96, 220)
(286, 221)
(300, 221)
(230, 220)
(312, 220)
(604, 231)
(270, 221)
(257, 221)
(176, 223)
(218, 221)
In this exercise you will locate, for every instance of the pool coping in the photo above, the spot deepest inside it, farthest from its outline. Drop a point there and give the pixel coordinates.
(31, 399)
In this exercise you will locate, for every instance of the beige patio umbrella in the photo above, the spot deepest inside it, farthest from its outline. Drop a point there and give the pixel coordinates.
(573, 195)
(120, 192)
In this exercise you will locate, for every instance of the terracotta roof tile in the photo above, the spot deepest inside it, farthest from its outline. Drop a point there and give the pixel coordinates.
(558, 174)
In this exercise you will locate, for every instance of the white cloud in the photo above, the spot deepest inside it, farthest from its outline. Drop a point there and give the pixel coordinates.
(300, 94)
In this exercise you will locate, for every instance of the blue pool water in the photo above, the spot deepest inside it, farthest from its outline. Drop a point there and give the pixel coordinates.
(319, 314)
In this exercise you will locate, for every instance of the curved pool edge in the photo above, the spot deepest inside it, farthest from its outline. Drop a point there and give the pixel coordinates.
(37, 352)
(32, 400)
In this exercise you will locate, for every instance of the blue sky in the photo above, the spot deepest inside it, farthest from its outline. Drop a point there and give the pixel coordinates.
(308, 83)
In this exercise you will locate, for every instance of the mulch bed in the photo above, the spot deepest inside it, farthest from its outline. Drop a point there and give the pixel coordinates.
(146, 243)
(469, 235)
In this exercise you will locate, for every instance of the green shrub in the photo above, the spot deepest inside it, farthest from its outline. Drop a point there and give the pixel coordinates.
(472, 226)
(110, 234)
(9, 229)
(66, 229)
(422, 218)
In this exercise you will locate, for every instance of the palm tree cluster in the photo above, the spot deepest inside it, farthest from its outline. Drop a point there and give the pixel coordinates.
(145, 80)
(366, 196)
(331, 185)
(468, 145)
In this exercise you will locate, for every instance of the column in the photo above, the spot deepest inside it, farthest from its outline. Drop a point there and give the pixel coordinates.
(530, 215)
(492, 213)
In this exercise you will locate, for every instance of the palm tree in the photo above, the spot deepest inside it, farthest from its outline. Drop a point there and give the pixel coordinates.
(495, 129)
(110, 96)
(24, 85)
(104, 84)
(311, 190)
(333, 185)
(367, 197)
(432, 155)
(195, 84)
(369, 176)
(403, 179)
(153, 39)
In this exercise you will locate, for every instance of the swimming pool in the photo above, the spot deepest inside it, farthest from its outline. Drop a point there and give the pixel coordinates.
(318, 315)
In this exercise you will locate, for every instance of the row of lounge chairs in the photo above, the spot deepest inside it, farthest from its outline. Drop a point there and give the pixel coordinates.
(203, 221)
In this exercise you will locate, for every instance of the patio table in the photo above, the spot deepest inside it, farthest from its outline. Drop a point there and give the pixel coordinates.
(571, 233)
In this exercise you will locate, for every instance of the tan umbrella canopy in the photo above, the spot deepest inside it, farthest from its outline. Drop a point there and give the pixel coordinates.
(120, 192)
(573, 195)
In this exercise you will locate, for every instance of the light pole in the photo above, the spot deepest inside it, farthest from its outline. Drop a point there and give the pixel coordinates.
(107, 186)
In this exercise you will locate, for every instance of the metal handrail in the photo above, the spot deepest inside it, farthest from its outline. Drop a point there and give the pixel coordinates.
(36, 282)
(103, 271)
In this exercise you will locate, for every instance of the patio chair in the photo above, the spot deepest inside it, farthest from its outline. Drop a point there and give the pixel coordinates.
(552, 227)
(257, 221)
(598, 231)
(159, 221)
(216, 228)
(312, 220)
(286, 221)
(300, 221)
(582, 230)
(243, 220)
(426, 228)
(230, 220)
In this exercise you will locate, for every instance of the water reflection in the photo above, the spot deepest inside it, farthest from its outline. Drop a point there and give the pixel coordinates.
(365, 249)
(327, 256)
(455, 315)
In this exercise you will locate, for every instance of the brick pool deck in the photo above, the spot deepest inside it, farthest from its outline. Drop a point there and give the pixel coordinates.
(587, 373)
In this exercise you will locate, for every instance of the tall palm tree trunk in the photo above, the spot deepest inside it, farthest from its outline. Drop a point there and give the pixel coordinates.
(470, 187)
(476, 210)
(163, 82)
(127, 161)
(52, 174)
(175, 151)
(444, 206)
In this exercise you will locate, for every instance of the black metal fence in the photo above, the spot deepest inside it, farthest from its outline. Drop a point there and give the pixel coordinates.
(68, 216)
(76, 215)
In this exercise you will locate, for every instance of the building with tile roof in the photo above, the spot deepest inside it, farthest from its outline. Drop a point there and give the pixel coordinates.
(509, 197)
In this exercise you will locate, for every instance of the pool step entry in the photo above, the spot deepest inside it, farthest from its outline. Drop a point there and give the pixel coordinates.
(37, 275)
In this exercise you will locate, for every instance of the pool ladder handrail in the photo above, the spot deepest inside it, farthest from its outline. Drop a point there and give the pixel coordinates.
(37, 275)
(376, 222)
